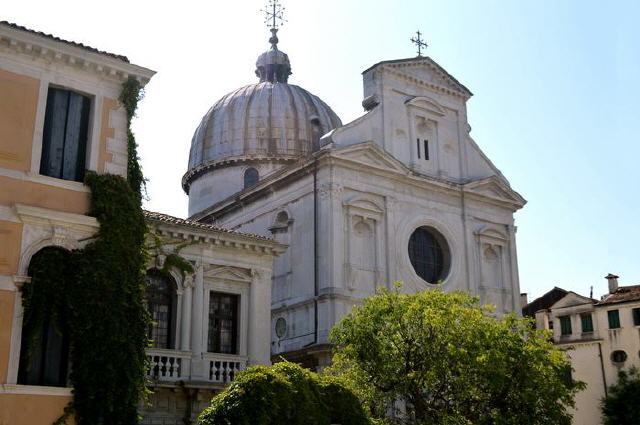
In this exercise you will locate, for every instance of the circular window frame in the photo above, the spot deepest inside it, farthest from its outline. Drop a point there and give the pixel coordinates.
(443, 239)
(624, 359)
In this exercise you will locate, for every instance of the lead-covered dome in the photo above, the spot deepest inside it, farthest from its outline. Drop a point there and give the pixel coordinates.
(270, 121)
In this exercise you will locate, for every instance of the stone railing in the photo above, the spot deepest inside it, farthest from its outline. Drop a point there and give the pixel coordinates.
(168, 365)
(223, 368)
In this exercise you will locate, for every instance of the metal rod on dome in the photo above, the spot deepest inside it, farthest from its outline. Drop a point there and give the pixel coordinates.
(274, 18)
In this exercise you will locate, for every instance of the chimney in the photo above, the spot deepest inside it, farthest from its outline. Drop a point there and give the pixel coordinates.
(524, 300)
(613, 282)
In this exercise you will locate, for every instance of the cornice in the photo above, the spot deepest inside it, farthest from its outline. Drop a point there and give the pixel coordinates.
(211, 165)
(435, 87)
(52, 51)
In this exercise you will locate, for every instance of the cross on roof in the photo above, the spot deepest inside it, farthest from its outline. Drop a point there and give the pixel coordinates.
(274, 14)
(418, 41)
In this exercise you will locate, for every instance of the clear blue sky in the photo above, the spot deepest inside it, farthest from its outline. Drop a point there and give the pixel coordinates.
(556, 84)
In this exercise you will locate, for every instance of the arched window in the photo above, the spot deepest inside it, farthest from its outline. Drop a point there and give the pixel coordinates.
(251, 177)
(44, 352)
(161, 302)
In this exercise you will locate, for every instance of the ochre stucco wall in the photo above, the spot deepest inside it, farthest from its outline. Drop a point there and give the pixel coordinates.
(41, 195)
(106, 131)
(10, 237)
(21, 409)
(18, 105)
(6, 319)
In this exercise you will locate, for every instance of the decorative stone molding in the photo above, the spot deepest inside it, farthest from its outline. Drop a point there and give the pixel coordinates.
(329, 189)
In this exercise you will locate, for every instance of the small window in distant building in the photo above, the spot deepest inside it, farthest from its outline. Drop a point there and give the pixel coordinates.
(426, 149)
(614, 319)
(250, 177)
(587, 322)
(618, 356)
(551, 324)
(636, 316)
(418, 146)
(565, 325)
(223, 323)
(64, 140)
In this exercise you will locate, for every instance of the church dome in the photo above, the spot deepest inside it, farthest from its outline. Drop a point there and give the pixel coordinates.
(269, 121)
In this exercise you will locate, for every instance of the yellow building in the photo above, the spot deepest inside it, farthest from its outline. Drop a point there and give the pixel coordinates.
(59, 116)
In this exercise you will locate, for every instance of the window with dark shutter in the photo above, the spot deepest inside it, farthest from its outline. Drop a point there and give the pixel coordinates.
(614, 319)
(223, 323)
(636, 316)
(565, 325)
(64, 141)
(587, 322)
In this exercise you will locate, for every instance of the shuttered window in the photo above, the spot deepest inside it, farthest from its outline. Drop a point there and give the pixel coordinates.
(614, 319)
(587, 322)
(64, 141)
(636, 316)
(565, 325)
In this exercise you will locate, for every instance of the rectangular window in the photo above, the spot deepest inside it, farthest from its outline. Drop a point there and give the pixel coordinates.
(223, 323)
(587, 322)
(614, 319)
(64, 140)
(426, 149)
(636, 316)
(565, 325)
(418, 145)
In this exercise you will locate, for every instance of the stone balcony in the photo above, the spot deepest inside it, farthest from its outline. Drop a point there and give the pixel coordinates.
(169, 367)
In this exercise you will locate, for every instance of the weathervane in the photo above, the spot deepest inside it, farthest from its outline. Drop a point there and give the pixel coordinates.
(418, 41)
(274, 18)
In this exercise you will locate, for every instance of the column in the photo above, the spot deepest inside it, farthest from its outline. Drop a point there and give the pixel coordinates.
(197, 364)
(186, 313)
(259, 346)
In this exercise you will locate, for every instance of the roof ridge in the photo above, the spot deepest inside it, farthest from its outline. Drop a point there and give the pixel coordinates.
(62, 40)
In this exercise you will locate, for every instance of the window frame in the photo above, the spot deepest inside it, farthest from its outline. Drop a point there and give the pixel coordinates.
(565, 325)
(86, 104)
(613, 318)
(635, 314)
(172, 290)
(589, 320)
(235, 319)
(250, 180)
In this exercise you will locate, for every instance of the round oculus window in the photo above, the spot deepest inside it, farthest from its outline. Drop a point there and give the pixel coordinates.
(281, 327)
(429, 254)
(619, 356)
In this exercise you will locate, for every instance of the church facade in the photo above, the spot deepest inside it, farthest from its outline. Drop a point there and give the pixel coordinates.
(402, 193)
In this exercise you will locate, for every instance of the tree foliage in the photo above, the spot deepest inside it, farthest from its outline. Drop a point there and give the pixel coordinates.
(622, 404)
(451, 362)
(284, 394)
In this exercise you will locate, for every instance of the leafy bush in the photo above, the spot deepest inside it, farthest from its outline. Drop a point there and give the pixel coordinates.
(622, 404)
(284, 394)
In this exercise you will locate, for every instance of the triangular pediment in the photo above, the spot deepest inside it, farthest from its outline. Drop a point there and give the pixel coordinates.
(495, 189)
(228, 273)
(370, 154)
(571, 300)
(426, 71)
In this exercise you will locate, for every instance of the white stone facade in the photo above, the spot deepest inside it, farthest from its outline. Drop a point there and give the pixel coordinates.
(347, 211)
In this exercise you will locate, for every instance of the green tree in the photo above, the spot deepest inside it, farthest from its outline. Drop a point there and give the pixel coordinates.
(284, 394)
(622, 404)
(451, 362)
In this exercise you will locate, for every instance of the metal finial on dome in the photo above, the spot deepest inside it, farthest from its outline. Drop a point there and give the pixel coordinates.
(273, 65)
(274, 18)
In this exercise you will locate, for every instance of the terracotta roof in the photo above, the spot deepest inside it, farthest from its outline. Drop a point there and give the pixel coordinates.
(544, 302)
(165, 218)
(622, 294)
(72, 43)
